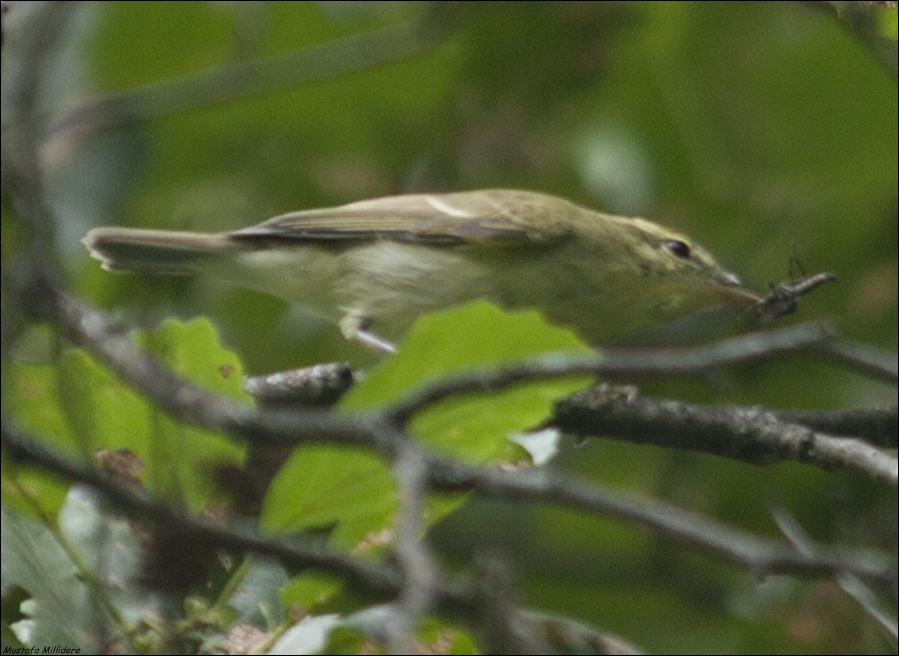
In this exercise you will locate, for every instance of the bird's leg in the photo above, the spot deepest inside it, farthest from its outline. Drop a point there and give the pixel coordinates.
(354, 325)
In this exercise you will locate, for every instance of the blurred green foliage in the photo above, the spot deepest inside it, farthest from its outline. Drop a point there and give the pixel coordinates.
(754, 127)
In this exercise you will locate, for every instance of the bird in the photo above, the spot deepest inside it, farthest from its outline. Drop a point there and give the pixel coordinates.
(373, 266)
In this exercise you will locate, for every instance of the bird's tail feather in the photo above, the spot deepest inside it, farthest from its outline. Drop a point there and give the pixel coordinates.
(155, 251)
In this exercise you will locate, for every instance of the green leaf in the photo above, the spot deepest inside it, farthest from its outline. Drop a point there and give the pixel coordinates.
(79, 408)
(324, 485)
(183, 457)
(474, 337)
(35, 407)
(320, 486)
(34, 560)
(191, 350)
(309, 589)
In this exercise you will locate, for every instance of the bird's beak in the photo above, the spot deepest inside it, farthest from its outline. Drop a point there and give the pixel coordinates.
(733, 292)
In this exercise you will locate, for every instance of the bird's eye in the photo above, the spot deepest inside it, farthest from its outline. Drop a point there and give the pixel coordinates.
(678, 248)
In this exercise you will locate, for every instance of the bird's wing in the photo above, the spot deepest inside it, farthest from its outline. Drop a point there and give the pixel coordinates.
(482, 217)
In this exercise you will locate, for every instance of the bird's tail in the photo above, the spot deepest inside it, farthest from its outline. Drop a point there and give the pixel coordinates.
(155, 251)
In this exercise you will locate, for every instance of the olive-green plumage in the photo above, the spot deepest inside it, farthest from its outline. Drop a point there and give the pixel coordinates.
(378, 264)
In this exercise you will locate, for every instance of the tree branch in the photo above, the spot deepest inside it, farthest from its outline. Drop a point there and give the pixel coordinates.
(753, 435)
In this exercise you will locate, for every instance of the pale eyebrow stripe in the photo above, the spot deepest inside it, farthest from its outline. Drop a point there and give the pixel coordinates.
(446, 208)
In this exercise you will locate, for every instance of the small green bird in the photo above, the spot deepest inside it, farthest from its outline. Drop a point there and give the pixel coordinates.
(374, 266)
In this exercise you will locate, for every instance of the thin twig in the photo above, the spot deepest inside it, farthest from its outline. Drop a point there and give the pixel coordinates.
(867, 359)
(851, 584)
(611, 364)
(412, 555)
(763, 557)
(879, 426)
(499, 620)
(253, 78)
